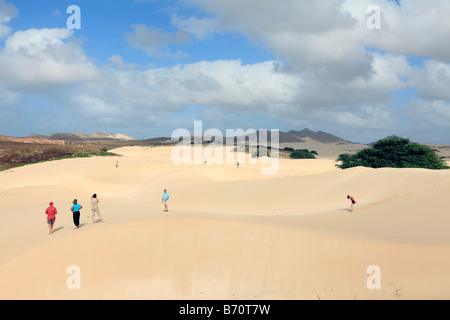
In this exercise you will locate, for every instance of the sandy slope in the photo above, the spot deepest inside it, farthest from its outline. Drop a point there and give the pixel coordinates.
(230, 233)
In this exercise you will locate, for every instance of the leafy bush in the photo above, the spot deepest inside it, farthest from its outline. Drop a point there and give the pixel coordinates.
(394, 153)
(301, 154)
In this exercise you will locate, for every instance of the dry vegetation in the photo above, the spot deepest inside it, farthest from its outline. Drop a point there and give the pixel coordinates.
(14, 154)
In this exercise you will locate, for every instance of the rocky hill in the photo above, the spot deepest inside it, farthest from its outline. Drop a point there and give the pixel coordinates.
(82, 136)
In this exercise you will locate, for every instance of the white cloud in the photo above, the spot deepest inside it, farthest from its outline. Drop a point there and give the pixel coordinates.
(262, 89)
(434, 112)
(332, 73)
(328, 46)
(7, 12)
(119, 63)
(414, 28)
(200, 28)
(155, 41)
(38, 58)
(125, 95)
(225, 84)
(331, 35)
(432, 81)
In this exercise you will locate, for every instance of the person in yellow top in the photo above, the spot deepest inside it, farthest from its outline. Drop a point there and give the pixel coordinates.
(95, 208)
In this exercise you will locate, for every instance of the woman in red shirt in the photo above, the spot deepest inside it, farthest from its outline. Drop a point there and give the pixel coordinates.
(51, 217)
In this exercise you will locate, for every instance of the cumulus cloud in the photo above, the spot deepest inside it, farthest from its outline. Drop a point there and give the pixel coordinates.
(413, 28)
(432, 80)
(262, 89)
(330, 69)
(156, 41)
(304, 33)
(38, 58)
(431, 111)
(227, 84)
(347, 72)
(7, 12)
(119, 63)
(200, 28)
(333, 30)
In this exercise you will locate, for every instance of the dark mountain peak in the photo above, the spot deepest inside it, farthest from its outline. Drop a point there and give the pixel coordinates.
(319, 136)
(294, 136)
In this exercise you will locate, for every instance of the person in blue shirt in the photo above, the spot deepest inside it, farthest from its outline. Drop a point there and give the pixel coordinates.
(165, 200)
(76, 213)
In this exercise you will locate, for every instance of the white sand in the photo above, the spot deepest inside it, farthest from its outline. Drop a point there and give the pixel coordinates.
(230, 233)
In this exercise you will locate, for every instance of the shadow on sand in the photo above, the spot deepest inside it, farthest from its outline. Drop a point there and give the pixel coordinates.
(57, 229)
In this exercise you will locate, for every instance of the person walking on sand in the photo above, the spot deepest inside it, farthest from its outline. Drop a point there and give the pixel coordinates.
(51, 217)
(165, 200)
(76, 213)
(352, 200)
(95, 208)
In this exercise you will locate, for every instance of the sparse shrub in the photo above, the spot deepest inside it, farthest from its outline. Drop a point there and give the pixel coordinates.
(394, 153)
(301, 154)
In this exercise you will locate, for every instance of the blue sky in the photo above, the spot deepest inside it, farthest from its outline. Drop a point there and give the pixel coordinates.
(146, 68)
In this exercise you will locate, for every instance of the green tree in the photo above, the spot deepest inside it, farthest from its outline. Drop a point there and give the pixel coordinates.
(394, 153)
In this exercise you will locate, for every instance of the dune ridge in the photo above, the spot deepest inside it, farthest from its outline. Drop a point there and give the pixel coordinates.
(230, 233)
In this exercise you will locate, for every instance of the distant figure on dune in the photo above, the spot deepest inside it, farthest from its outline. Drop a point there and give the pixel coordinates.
(117, 164)
(352, 200)
(165, 200)
(76, 213)
(51, 217)
(237, 165)
(95, 208)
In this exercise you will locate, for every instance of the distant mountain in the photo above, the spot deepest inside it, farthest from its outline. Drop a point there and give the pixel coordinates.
(388, 137)
(292, 136)
(306, 135)
(82, 136)
(30, 140)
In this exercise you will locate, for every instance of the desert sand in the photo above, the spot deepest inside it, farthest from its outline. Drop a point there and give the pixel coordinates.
(229, 234)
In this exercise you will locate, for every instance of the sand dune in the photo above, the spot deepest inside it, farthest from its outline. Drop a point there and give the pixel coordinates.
(230, 233)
